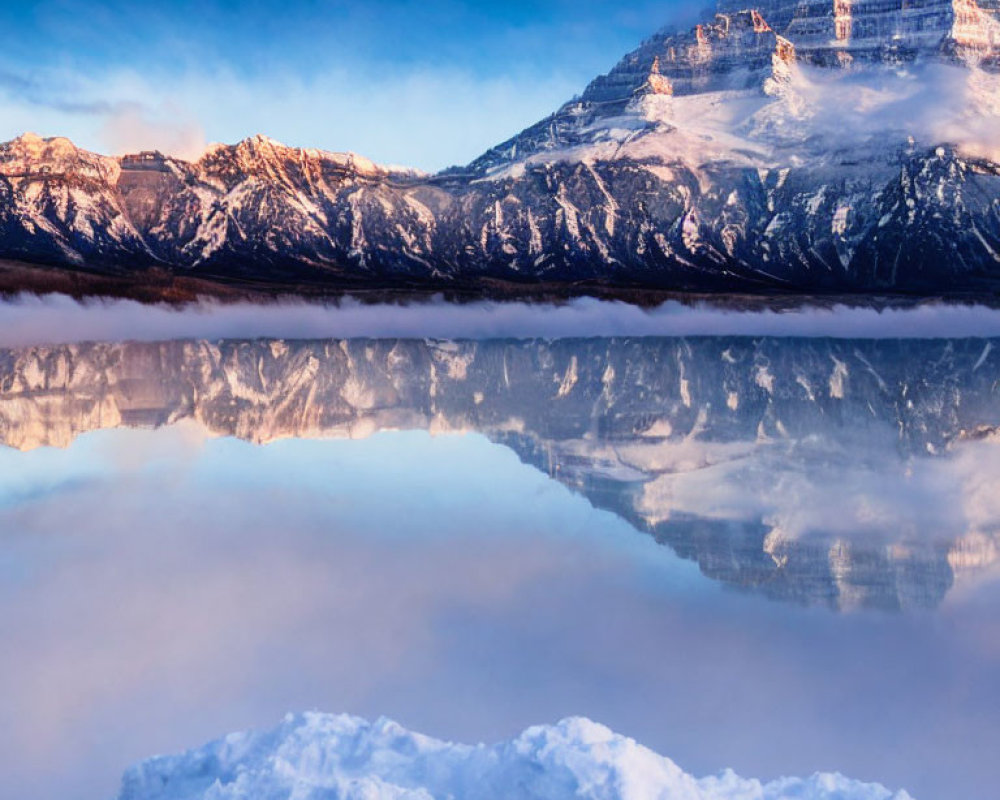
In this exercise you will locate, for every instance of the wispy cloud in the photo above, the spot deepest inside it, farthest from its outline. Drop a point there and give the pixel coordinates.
(56, 95)
(427, 117)
(132, 127)
(933, 102)
(421, 84)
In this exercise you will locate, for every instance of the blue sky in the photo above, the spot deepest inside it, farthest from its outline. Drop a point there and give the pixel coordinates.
(419, 83)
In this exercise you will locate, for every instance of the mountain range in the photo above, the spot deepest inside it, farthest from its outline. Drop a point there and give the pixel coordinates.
(840, 146)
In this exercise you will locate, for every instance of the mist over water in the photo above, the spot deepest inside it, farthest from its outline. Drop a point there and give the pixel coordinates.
(30, 320)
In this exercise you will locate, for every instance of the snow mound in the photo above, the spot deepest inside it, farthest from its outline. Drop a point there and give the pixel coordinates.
(339, 757)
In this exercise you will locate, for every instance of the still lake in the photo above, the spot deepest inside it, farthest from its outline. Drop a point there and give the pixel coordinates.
(778, 555)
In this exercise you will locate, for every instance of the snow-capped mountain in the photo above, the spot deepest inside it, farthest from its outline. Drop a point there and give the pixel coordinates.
(340, 757)
(758, 459)
(822, 145)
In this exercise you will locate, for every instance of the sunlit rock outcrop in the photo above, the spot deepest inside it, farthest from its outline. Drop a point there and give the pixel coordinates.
(843, 32)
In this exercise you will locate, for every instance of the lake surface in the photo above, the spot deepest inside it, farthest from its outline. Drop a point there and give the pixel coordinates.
(778, 555)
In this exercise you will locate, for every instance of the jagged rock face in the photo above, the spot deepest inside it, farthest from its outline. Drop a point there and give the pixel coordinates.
(273, 209)
(841, 32)
(679, 437)
(730, 52)
(740, 156)
(734, 51)
(748, 48)
(59, 203)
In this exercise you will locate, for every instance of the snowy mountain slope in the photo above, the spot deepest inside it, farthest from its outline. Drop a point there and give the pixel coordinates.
(785, 146)
(59, 203)
(270, 206)
(327, 757)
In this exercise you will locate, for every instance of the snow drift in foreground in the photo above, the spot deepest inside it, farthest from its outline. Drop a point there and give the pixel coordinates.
(329, 757)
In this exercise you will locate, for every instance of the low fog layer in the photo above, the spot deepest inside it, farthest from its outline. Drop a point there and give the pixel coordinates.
(32, 320)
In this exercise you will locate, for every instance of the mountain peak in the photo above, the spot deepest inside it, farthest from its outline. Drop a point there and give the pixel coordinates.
(259, 140)
(33, 155)
(259, 151)
(756, 50)
(31, 143)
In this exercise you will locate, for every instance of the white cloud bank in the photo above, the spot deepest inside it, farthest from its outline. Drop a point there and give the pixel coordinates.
(30, 320)
(935, 103)
(328, 757)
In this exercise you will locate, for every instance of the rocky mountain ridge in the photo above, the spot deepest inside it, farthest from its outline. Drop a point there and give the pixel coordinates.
(784, 147)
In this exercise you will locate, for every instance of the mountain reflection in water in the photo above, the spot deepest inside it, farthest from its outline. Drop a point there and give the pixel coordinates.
(849, 474)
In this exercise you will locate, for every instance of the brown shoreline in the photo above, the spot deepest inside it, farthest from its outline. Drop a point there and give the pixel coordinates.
(153, 286)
